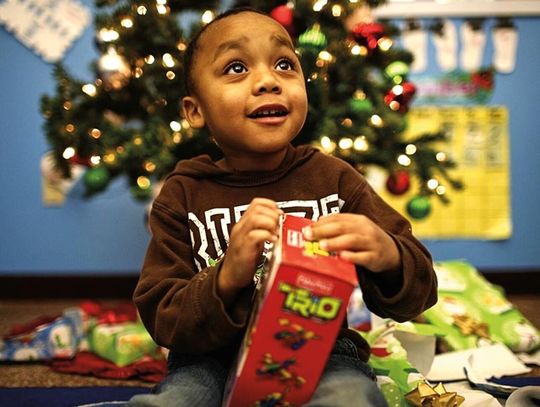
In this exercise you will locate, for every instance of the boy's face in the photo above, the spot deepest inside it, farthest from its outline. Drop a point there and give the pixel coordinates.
(249, 90)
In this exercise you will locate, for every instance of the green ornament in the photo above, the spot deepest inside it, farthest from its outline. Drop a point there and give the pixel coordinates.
(313, 38)
(360, 105)
(96, 178)
(419, 207)
(141, 194)
(396, 68)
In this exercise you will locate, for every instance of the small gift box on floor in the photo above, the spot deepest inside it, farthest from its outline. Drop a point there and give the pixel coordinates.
(123, 343)
(43, 339)
(393, 363)
(472, 312)
(298, 312)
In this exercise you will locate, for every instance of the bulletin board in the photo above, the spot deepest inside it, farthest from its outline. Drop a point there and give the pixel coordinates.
(478, 142)
(457, 8)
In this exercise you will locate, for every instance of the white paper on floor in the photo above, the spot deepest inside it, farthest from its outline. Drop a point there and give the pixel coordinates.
(473, 398)
(450, 366)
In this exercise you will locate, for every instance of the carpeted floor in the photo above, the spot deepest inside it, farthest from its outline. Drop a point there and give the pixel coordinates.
(39, 375)
(36, 374)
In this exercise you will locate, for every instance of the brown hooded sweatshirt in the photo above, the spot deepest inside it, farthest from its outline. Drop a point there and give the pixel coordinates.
(191, 220)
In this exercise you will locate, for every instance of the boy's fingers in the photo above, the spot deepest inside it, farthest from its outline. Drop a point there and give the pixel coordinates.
(265, 223)
(344, 242)
(334, 217)
(259, 236)
(358, 258)
(265, 202)
(319, 231)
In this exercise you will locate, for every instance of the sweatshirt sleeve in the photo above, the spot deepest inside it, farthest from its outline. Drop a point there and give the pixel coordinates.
(416, 289)
(179, 306)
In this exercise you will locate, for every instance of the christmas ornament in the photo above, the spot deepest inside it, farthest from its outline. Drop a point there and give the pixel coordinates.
(360, 105)
(419, 207)
(396, 68)
(313, 38)
(398, 182)
(399, 97)
(141, 194)
(96, 178)
(77, 159)
(113, 69)
(284, 15)
(368, 35)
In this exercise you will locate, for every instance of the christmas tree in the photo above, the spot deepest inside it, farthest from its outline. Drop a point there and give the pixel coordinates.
(127, 121)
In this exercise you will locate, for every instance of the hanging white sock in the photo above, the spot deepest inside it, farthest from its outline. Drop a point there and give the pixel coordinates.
(473, 43)
(414, 39)
(505, 42)
(445, 42)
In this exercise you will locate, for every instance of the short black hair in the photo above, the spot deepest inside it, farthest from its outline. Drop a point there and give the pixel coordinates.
(190, 54)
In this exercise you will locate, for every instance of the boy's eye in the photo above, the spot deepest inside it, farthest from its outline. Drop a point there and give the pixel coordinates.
(235, 68)
(285, 65)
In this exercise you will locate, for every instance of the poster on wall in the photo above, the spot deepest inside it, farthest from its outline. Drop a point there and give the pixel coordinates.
(456, 87)
(478, 142)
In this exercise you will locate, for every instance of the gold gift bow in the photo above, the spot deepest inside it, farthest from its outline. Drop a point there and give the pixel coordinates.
(469, 326)
(426, 396)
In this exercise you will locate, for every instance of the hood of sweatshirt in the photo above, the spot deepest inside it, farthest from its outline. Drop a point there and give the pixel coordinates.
(204, 167)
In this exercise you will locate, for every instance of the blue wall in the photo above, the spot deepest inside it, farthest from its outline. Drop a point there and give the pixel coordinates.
(108, 235)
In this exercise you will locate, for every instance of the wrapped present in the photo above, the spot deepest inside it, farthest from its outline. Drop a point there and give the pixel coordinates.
(298, 311)
(122, 343)
(97, 313)
(43, 339)
(472, 312)
(396, 374)
(358, 315)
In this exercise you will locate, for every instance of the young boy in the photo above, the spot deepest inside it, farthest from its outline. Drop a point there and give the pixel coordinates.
(211, 220)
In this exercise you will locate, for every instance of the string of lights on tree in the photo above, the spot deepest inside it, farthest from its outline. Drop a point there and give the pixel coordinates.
(127, 121)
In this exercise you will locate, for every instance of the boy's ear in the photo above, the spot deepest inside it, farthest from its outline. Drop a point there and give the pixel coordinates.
(192, 112)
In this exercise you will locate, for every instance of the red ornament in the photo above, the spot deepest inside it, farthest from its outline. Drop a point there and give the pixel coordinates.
(400, 96)
(77, 159)
(285, 16)
(398, 182)
(368, 35)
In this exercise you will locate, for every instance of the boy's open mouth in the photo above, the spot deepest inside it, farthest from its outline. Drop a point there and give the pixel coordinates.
(268, 111)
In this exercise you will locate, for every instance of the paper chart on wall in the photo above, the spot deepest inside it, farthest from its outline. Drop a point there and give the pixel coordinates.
(48, 27)
(479, 143)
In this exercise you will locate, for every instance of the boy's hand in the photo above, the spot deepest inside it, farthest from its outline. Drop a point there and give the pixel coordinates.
(259, 223)
(357, 239)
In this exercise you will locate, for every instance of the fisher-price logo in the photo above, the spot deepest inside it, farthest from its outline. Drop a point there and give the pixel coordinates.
(304, 303)
(318, 285)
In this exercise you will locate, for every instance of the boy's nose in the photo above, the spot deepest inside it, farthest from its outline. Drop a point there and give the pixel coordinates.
(266, 83)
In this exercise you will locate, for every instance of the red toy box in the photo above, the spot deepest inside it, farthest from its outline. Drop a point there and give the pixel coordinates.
(297, 315)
